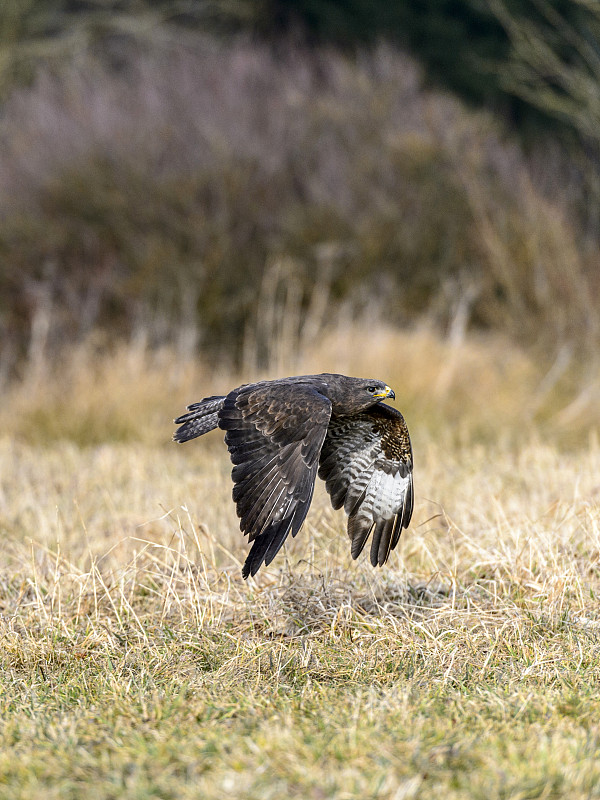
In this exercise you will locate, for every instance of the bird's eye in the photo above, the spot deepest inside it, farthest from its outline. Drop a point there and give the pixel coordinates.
(371, 389)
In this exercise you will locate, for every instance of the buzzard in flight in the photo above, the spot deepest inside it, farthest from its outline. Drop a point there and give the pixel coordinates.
(281, 433)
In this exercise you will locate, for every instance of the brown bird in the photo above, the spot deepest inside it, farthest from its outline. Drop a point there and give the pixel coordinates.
(281, 433)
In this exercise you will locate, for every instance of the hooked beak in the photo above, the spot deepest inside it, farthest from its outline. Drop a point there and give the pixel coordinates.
(386, 392)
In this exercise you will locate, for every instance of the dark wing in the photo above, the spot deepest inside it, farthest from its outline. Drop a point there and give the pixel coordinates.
(366, 463)
(200, 418)
(274, 433)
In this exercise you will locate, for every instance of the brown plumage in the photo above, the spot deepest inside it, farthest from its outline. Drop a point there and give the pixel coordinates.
(282, 433)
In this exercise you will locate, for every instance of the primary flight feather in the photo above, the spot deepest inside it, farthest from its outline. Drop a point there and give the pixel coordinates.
(282, 433)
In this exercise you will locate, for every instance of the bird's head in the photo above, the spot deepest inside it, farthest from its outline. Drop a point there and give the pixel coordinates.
(378, 390)
(353, 395)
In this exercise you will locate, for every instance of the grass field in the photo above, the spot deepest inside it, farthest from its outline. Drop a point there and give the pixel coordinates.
(136, 663)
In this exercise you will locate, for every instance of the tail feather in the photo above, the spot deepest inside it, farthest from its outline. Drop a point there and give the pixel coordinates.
(200, 418)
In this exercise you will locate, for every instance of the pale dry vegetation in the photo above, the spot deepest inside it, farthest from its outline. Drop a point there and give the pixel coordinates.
(137, 663)
(462, 388)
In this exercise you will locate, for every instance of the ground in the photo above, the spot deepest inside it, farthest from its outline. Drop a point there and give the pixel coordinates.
(136, 662)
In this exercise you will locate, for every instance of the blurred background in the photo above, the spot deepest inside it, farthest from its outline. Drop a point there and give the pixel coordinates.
(194, 192)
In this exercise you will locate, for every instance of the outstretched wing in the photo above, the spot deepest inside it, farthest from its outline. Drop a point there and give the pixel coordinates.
(274, 433)
(366, 463)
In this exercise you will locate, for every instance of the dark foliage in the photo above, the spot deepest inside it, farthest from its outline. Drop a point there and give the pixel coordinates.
(463, 44)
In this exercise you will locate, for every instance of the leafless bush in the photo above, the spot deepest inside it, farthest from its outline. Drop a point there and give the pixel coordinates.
(159, 196)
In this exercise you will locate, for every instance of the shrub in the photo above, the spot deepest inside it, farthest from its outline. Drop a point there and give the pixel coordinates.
(183, 190)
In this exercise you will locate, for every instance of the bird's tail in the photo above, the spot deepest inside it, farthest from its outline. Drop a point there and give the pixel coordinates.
(201, 418)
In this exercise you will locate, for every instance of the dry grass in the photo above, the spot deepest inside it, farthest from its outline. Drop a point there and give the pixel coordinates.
(460, 388)
(136, 663)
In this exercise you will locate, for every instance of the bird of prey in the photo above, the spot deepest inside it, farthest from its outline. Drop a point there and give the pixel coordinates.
(281, 433)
